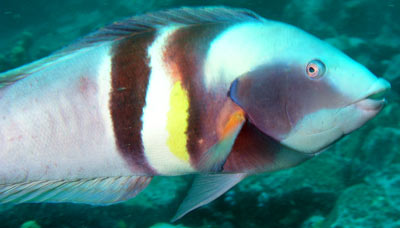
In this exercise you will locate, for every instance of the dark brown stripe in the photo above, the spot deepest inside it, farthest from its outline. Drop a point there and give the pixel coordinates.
(130, 77)
(252, 151)
(185, 55)
(255, 152)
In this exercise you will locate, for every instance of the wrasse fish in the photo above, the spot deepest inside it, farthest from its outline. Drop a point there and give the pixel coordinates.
(218, 92)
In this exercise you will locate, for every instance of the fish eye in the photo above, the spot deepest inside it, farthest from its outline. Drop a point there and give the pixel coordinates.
(315, 69)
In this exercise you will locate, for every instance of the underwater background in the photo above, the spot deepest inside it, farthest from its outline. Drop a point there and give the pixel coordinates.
(355, 183)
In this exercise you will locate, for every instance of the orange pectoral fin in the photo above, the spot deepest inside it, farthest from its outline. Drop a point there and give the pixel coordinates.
(234, 123)
(229, 124)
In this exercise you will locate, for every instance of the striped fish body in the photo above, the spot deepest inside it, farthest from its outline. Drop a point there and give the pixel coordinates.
(170, 93)
(95, 122)
(135, 106)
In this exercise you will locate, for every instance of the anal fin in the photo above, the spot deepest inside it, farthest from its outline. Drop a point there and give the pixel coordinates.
(103, 191)
(206, 188)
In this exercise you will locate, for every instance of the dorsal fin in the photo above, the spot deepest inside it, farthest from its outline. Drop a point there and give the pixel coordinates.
(155, 20)
(135, 25)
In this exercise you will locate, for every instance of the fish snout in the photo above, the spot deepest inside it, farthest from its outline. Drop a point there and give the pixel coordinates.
(368, 106)
(374, 100)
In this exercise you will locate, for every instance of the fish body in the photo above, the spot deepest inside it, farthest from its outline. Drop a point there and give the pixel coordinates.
(212, 91)
(39, 110)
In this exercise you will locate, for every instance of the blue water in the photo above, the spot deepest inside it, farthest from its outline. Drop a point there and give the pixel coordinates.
(356, 183)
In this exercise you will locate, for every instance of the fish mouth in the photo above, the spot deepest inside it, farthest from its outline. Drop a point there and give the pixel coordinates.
(359, 112)
(375, 100)
(371, 105)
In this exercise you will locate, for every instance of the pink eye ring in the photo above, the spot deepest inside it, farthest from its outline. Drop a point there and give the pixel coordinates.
(315, 69)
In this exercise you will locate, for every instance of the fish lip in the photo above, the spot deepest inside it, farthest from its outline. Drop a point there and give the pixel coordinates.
(370, 104)
(365, 109)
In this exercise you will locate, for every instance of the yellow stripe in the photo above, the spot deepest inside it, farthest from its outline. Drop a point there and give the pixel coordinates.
(178, 122)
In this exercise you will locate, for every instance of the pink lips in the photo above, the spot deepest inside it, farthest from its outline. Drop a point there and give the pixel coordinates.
(371, 104)
(362, 110)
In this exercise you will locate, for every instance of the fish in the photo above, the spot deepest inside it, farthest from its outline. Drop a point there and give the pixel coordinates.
(218, 92)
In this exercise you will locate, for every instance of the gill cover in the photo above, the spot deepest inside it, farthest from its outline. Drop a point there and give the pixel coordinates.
(262, 95)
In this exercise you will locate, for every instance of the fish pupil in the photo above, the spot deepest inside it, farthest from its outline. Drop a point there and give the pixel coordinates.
(312, 70)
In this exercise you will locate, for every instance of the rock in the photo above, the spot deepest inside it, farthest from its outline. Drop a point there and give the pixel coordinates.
(308, 15)
(363, 206)
(389, 116)
(392, 72)
(18, 53)
(375, 151)
(389, 180)
(387, 39)
(346, 43)
(366, 150)
(374, 202)
(30, 224)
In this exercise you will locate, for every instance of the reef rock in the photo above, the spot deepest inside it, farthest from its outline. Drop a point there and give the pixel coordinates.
(367, 205)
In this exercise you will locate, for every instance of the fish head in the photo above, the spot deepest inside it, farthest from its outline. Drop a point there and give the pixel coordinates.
(307, 94)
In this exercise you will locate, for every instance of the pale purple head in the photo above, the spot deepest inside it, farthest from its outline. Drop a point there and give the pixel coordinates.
(293, 87)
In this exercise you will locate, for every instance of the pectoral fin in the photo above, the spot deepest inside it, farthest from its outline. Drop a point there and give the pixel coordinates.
(206, 188)
(230, 122)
